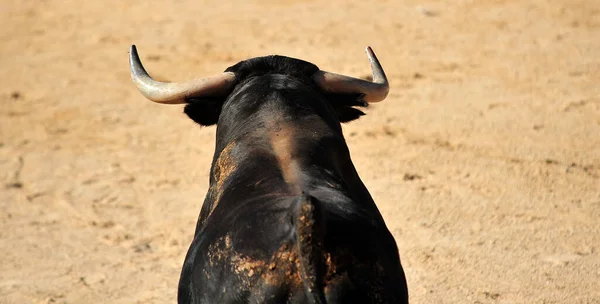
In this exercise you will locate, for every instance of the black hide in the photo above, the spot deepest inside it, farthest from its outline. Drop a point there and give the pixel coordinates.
(286, 218)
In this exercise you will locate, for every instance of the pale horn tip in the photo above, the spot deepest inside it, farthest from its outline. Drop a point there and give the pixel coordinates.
(133, 56)
(132, 51)
(372, 58)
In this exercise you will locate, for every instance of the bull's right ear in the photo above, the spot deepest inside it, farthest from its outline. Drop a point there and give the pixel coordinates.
(204, 111)
(345, 105)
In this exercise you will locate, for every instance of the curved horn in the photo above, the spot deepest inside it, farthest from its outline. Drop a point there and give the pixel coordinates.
(176, 92)
(374, 91)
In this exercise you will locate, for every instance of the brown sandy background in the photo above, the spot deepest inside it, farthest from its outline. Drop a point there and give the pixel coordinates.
(484, 159)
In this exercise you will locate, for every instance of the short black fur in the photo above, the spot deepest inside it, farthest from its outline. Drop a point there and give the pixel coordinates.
(286, 218)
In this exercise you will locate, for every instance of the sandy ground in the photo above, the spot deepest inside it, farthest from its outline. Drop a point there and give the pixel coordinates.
(484, 159)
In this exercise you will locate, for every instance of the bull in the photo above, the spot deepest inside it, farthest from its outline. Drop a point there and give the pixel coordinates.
(286, 218)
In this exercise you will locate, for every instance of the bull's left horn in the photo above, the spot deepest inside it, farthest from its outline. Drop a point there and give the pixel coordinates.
(374, 91)
(176, 92)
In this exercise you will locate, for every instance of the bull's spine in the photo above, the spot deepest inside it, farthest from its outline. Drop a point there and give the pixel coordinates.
(310, 233)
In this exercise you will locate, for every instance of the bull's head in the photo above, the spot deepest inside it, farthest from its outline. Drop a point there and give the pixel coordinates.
(221, 85)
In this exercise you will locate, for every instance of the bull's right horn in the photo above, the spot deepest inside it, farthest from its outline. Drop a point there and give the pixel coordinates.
(177, 92)
(374, 91)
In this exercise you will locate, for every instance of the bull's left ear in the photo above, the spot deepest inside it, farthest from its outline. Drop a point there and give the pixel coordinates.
(205, 111)
(345, 105)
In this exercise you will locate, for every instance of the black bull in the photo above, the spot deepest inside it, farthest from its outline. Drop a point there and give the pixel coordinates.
(286, 218)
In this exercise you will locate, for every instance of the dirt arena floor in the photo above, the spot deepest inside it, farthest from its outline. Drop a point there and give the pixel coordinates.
(484, 159)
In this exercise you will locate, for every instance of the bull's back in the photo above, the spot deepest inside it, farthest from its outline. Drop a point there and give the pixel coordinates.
(288, 251)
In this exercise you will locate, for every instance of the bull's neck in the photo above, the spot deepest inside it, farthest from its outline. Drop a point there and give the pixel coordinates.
(282, 158)
(294, 153)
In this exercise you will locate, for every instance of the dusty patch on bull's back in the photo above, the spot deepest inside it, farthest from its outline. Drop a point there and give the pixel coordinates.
(223, 167)
(284, 267)
(280, 269)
